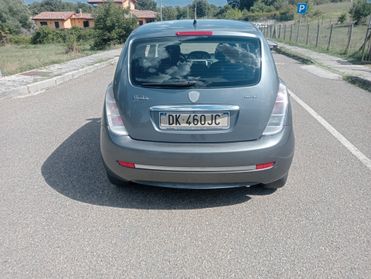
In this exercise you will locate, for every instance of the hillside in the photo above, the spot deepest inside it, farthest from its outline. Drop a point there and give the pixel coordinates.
(164, 2)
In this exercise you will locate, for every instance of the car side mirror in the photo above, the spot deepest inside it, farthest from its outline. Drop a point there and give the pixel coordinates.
(272, 45)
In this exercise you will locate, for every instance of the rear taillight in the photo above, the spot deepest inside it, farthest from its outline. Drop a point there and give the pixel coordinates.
(278, 116)
(194, 33)
(264, 166)
(114, 120)
(126, 164)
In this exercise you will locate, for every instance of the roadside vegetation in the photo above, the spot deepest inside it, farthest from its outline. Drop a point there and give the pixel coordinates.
(23, 57)
(24, 47)
(113, 25)
(337, 28)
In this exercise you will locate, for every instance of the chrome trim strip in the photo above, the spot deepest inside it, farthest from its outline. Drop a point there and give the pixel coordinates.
(196, 108)
(201, 169)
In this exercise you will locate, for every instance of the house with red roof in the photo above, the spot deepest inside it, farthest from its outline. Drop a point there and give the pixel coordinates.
(143, 16)
(125, 4)
(64, 20)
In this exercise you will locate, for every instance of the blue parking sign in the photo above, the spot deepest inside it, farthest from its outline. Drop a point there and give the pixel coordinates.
(302, 8)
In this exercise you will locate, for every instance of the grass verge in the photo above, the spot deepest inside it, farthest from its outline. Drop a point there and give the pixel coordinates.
(19, 58)
(357, 81)
(292, 55)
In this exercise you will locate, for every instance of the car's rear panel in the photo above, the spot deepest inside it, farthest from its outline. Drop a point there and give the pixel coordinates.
(227, 156)
(251, 106)
(148, 150)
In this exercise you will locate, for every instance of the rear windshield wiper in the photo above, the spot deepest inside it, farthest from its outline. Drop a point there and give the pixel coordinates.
(185, 83)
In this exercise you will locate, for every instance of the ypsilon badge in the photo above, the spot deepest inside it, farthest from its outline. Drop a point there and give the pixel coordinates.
(194, 96)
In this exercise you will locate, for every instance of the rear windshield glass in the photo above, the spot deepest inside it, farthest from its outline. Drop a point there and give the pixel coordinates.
(196, 62)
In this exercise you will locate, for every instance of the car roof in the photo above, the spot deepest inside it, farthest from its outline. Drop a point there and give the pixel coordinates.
(168, 28)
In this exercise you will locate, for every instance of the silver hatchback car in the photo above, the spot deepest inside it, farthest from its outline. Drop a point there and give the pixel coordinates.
(197, 104)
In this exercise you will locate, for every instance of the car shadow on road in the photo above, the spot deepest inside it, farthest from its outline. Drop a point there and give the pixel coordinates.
(75, 170)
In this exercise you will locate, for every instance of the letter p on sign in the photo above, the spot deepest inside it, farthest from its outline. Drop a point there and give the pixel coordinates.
(302, 8)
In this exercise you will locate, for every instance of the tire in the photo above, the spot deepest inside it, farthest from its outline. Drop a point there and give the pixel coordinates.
(116, 181)
(276, 184)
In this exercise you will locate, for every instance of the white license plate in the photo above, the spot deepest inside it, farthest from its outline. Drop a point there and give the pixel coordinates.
(184, 121)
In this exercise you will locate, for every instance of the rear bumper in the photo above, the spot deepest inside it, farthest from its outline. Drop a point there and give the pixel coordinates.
(195, 165)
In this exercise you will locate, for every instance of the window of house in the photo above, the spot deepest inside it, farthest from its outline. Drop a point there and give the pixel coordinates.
(43, 23)
(56, 24)
(86, 23)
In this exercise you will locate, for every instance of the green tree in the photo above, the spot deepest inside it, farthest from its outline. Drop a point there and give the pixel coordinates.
(146, 5)
(241, 4)
(246, 4)
(261, 7)
(181, 12)
(360, 10)
(202, 7)
(14, 15)
(47, 5)
(234, 3)
(213, 10)
(57, 6)
(233, 14)
(112, 25)
(222, 11)
(169, 13)
(275, 4)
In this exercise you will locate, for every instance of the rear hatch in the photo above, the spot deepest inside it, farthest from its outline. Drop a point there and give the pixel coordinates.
(196, 88)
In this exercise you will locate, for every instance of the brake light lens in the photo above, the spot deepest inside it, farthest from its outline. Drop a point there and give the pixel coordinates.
(114, 120)
(278, 116)
(194, 33)
(264, 166)
(126, 164)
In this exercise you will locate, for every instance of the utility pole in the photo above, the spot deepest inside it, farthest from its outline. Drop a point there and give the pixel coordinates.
(195, 10)
(161, 10)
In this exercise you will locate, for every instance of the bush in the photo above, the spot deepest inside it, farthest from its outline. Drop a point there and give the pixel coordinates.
(72, 42)
(233, 14)
(4, 38)
(342, 18)
(261, 7)
(112, 26)
(259, 16)
(14, 16)
(20, 39)
(45, 35)
(360, 10)
(317, 13)
(285, 14)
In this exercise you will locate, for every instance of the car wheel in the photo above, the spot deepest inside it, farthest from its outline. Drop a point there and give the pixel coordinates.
(116, 181)
(276, 184)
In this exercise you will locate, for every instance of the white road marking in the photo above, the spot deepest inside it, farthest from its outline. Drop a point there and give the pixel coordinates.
(347, 144)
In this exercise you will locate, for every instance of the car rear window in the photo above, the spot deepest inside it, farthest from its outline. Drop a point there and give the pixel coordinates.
(213, 61)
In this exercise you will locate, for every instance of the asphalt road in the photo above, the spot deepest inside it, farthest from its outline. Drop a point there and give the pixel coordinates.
(60, 217)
